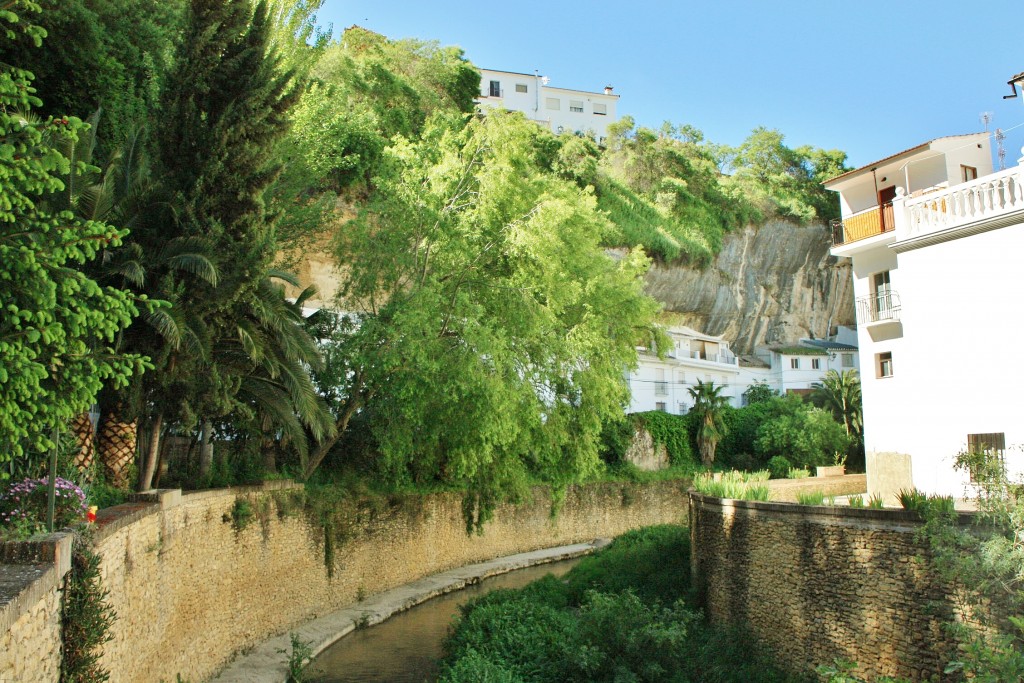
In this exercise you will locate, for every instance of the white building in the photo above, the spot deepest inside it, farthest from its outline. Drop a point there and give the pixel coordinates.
(936, 240)
(664, 383)
(557, 109)
(795, 368)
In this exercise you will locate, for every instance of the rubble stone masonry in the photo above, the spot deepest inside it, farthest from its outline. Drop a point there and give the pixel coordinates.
(816, 583)
(199, 577)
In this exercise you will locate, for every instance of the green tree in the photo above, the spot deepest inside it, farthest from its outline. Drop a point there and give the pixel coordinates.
(709, 408)
(101, 53)
(807, 437)
(225, 109)
(839, 393)
(58, 326)
(492, 328)
(758, 392)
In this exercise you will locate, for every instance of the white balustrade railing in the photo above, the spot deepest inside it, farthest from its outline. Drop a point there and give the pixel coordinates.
(984, 198)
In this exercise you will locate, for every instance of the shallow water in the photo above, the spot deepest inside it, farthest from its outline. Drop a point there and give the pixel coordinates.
(406, 647)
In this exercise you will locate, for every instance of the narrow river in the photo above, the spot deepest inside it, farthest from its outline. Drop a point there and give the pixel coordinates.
(406, 647)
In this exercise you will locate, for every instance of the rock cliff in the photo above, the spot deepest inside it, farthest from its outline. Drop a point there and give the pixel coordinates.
(774, 283)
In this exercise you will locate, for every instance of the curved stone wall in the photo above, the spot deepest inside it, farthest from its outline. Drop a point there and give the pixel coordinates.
(196, 578)
(816, 583)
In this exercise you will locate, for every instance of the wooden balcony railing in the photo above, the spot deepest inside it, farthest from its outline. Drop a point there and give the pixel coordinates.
(863, 225)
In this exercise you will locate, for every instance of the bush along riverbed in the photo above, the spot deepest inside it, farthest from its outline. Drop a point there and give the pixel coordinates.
(623, 614)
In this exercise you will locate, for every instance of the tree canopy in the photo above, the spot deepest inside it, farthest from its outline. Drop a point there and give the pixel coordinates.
(58, 326)
(492, 328)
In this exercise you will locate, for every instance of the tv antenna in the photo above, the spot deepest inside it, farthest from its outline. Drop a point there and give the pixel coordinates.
(986, 118)
(1000, 136)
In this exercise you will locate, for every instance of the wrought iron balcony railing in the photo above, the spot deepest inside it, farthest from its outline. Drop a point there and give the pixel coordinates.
(879, 307)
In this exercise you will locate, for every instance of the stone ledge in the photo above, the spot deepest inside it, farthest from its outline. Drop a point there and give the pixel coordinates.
(266, 664)
(834, 514)
(30, 569)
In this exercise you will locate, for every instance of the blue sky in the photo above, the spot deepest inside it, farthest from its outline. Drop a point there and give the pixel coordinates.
(871, 78)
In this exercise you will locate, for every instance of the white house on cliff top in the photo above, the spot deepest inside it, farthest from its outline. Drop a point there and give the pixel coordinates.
(557, 109)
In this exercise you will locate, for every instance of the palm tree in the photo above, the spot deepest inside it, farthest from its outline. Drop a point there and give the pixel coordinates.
(839, 392)
(709, 405)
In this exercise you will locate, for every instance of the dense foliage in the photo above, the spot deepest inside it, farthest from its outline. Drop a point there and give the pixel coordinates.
(86, 617)
(619, 615)
(781, 426)
(491, 328)
(668, 191)
(484, 330)
(58, 325)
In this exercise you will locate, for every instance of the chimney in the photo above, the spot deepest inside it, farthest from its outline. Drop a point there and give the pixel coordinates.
(607, 90)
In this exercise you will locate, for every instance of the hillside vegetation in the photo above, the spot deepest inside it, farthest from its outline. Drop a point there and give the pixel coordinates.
(486, 326)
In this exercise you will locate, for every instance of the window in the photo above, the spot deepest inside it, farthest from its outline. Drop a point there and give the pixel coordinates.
(600, 109)
(883, 364)
(847, 360)
(985, 456)
(681, 407)
(520, 87)
(660, 385)
(495, 88)
(554, 104)
(576, 106)
(794, 363)
(968, 173)
(882, 300)
(660, 405)
(815, 364)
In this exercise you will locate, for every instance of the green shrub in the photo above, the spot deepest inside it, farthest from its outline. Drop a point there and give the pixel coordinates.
(735, 485)
(810, 497)
(780, 467)
(86, 618)
(670, 431)
(653, 561)
(799, 473)
(875, 502)
(856, 501)
(617, 616)
(912, 499)
(808, 437)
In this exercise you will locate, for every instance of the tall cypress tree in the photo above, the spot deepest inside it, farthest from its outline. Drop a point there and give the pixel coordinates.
(224, 109)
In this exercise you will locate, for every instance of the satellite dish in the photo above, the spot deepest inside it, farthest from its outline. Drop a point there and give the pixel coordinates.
(561, 129)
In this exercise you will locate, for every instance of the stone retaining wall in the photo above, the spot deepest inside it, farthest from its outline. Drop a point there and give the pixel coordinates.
(31, 576)
(196, 578)
(815, 583)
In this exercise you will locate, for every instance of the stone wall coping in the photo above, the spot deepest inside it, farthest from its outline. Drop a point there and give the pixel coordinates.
(828, 514)
(28, 570)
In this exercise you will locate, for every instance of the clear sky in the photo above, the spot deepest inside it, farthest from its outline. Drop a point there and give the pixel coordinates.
(871, 78)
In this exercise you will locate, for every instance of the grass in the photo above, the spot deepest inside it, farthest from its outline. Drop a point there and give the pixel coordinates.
(734, 484)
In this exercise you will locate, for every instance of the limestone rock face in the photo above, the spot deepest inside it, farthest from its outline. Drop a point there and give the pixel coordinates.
(770, 284)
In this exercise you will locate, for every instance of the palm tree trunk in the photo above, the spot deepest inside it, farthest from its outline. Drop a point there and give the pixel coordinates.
(206, 451)
(116, 446)
(85, 439)
(149, 466)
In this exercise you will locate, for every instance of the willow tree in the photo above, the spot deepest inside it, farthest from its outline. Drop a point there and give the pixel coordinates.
(492, 330)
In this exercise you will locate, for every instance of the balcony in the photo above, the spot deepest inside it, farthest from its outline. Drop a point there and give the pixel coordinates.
(879, 314)
(860, 226)
(880, 307)
(983, 200)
